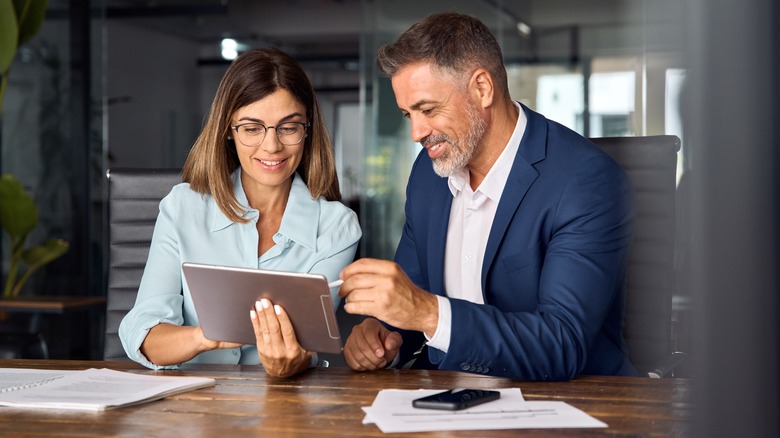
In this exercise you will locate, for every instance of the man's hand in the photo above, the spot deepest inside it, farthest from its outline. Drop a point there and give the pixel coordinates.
(381, 289)
(371, 346)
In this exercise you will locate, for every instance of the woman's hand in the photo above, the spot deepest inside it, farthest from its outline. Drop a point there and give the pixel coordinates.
(168, 344)
(277, 346)
(208, 344)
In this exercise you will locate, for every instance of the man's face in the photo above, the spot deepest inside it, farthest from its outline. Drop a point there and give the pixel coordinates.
(444, 119)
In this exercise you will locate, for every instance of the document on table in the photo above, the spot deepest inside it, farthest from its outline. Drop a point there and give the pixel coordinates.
(392, 411)
(92, 389)
(13, 379)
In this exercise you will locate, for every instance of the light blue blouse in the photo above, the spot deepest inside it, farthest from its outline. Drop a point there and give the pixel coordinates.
(315, 236)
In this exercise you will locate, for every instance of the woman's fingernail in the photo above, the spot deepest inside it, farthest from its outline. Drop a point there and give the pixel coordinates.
(252, 314)
(277, 309)
(266, 304)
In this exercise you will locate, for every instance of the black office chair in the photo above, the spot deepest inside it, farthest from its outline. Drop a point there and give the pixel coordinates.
(651, 165)
(133, 203)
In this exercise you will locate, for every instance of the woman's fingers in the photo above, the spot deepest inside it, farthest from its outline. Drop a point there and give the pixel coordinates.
(285, 327)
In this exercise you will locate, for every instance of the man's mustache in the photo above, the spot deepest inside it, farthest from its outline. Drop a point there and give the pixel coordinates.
(433, 139)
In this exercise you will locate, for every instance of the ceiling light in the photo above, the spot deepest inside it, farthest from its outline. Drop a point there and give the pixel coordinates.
(229, 49)
(524, 29)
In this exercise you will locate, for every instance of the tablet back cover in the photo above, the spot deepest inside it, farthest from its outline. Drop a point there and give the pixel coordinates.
(223, 297)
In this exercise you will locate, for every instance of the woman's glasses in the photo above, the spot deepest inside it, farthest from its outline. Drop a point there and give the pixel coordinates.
(253, 134)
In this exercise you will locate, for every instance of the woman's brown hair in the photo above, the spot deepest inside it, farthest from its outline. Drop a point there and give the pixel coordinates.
(249, 78)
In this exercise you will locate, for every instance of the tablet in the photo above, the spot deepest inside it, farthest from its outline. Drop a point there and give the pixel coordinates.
(224, 295)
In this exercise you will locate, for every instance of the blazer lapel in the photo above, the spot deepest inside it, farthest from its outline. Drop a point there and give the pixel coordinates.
(532, 149)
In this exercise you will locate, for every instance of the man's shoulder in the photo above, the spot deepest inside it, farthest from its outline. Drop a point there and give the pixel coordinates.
(566, 147)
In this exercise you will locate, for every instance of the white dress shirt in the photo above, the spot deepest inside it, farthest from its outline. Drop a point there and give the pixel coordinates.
(471, 217)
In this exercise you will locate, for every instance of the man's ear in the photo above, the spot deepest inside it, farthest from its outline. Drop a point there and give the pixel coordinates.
(481, 87)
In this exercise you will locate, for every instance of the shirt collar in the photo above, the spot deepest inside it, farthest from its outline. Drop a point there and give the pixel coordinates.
(301, 217)
(298, 215)
(495, 180)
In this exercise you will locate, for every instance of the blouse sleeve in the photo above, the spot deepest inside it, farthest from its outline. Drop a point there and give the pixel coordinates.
(159, 298)
(339, 243)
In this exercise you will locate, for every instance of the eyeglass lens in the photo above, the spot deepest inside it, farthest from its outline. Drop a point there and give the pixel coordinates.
(288, 134)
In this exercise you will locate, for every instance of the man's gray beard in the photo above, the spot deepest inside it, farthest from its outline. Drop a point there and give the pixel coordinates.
(458, 156)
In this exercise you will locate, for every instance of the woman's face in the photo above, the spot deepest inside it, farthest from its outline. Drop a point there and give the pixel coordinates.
(271, 164)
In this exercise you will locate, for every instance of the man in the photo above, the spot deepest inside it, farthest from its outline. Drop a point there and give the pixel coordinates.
(513, 255)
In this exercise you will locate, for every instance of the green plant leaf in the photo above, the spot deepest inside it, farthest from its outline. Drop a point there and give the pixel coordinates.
(18, 214)
(9, 35)
(30, 18)
(40, 255)
(35, 258)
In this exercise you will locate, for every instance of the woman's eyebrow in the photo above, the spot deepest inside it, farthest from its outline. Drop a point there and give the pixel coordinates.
(283, 119)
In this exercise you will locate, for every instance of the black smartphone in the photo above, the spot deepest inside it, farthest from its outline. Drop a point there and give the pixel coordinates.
(454, 400)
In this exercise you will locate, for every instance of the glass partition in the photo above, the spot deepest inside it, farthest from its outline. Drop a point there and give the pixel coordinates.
(52, 142)
(603, 76)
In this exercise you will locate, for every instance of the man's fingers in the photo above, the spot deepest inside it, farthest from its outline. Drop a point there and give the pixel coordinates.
(363, 265)
(375, 334)
(366, 273)
(392, 341)
(353, 361)
(362, 347)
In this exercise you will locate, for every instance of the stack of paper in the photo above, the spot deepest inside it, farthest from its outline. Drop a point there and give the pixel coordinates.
(92, 389)
(392, 411)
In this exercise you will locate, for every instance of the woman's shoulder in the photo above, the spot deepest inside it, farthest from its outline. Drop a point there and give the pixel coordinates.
(334, 207)
(335, 210)
(336, 215)
(302, 203)
(182, 196)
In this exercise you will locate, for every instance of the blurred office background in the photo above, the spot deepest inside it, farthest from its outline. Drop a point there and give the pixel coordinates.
(127, 83)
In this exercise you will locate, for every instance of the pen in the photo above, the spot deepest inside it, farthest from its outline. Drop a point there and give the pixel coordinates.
(335, 283)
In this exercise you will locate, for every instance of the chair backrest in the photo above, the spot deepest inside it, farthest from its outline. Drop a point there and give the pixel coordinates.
(133, 203)
(651, 165)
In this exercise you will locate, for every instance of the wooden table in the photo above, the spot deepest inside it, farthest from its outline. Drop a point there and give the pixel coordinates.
(327, 401)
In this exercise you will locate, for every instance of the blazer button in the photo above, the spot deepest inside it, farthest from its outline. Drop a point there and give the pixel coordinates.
(479, 368)
(464, 366)
(485, 370)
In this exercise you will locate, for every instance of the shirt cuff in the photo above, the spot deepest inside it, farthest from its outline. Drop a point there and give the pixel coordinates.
(441, 339)
(394, 362)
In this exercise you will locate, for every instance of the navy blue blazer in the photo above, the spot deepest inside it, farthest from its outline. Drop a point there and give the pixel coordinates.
(554, 270)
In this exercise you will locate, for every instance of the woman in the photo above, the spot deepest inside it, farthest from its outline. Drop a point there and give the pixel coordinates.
(260, 190)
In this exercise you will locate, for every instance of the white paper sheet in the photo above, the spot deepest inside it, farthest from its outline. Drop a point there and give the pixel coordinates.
(392, 411)
(92, 389)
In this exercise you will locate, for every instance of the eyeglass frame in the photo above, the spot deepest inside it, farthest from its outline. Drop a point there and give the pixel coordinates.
(306, 126)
